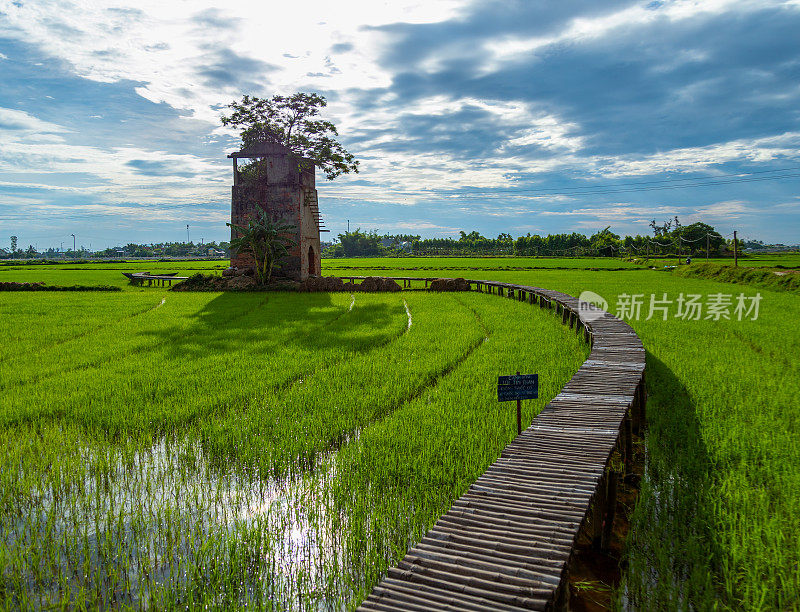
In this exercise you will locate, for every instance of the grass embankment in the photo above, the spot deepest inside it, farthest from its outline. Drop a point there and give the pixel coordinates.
(767, 278)
(746, 260)
(245, 450)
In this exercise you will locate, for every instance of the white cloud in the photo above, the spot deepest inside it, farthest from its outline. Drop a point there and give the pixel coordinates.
(17, 120)
(692, 159)
(422, 226)
(165, 45)
(123, 174)
(580, 29)
(729, 209)
(549, 132)
(127, 211)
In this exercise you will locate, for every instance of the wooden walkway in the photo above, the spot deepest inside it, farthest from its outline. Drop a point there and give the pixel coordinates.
(138, 278)
(506, 543)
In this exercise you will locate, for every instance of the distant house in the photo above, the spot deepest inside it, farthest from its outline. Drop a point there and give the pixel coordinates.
(212, 252)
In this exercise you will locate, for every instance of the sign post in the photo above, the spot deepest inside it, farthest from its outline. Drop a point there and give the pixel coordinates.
(519, 387)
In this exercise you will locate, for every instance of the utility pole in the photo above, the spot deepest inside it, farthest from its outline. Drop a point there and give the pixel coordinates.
(707, 249)
(735, 250)
(348, 226)
(187, 233)
(74, 254)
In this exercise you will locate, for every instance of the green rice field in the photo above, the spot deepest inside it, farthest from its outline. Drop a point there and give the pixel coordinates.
(716, 523)
(233, 451)
(279, 451)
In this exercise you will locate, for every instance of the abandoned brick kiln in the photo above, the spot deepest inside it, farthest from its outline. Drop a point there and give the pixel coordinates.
(283, 185)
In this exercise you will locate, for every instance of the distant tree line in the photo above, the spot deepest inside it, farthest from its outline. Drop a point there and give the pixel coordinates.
(668, 238)
(167, 249)
(163, 249)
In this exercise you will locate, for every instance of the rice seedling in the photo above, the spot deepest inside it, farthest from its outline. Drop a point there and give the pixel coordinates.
(251, 451)
(273, 508)
(716, 520)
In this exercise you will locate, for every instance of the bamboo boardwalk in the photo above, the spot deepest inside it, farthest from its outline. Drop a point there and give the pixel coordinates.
(506, 543)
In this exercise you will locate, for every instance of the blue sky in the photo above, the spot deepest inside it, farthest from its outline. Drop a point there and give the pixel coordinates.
(491, 116)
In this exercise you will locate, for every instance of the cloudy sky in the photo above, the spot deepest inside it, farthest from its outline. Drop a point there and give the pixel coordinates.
(496, 116)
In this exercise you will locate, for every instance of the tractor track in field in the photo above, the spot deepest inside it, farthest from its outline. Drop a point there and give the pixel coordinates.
(432, 382)
(348, 310)
(299, 378)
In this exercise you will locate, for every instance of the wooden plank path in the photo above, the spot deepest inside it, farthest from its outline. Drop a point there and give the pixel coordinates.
(506, 543)
(138, 278)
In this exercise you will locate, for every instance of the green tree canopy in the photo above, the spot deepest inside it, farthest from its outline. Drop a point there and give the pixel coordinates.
(360, 243)
(292, 121)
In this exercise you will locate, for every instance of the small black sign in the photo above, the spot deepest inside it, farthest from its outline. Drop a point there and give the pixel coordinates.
(521, 386)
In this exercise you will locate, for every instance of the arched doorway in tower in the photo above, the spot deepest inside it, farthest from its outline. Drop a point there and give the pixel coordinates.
(312, 269)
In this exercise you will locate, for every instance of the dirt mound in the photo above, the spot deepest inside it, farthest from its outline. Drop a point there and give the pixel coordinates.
(378, 283)
(282, 284)
(449, 284)
(239, 272)
(322, 283)
(201, 282)
(210, 282)
(240, 283)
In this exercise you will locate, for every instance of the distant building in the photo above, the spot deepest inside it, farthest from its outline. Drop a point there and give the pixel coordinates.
(286, 191)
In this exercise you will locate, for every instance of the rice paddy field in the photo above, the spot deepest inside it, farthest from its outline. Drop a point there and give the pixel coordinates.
(236, 451)
(716, 524)
(278, 451)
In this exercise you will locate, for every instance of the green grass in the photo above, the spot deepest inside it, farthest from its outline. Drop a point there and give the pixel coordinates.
(246, 450)
(89, 274)
(768, 278)
(716, 524)
(339, 498)
(440, 264)
(756, 260)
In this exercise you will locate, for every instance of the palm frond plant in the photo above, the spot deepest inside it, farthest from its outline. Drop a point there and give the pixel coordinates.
(268, 242)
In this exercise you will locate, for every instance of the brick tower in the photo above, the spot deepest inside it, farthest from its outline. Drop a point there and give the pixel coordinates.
(286, 191)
